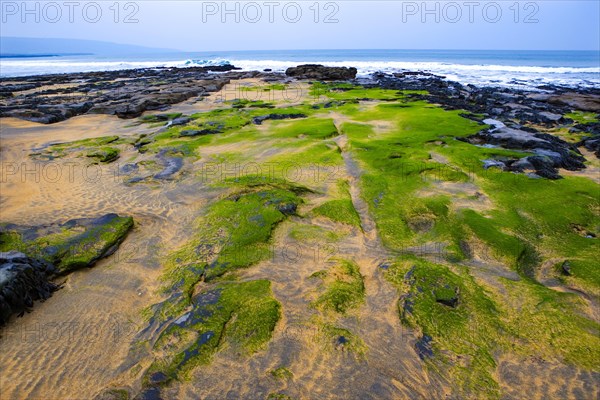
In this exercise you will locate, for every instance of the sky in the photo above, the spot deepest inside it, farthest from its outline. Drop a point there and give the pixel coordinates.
(349, 24)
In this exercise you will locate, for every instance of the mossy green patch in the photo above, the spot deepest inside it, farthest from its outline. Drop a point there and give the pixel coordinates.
(235, 233)
(282, 373)
(313, 128)
(313, 234)
(343, 288)
(104, 154)
(582, 117)
(341, 339)
(83, 147)
(347, 91)
(240, 314)
(72, 246)
(455, 311)
(341, 211)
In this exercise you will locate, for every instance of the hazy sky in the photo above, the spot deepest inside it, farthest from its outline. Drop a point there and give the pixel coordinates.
(207, 26)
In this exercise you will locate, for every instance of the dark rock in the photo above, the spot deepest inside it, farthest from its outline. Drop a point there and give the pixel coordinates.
(23, 280)
(171, 165)
(261, 118)
(450, 301)
(321, 72)
(181, 121)
(566, 268)
(341, 342)
(198, 132)
(424, 348)
(287, 208)
(126, 93)
(151, 393)
(128, 168)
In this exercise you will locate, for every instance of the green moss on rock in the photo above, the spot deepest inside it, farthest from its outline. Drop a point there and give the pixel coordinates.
(73, 245)
(242, 315)
(343, 286)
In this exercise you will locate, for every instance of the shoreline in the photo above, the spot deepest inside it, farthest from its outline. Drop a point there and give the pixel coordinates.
(56, 97)
(166, 180)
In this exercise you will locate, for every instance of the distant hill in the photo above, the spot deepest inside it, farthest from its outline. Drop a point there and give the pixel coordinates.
(28, 47)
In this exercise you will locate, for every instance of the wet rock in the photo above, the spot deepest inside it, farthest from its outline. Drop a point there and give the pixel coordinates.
(151, 393)
(158, 378)
(128, 168)
(261, 118)
(493, 163)
(199, 132)
(580, 101)
(566, 268)
(82, 242)
(126, 93)
(287, 208)
(23, 280)
(450, 300)
(181, 121)
(321, 72)
(424, 348)
(544, 167)
(171, 165)
(340, 342)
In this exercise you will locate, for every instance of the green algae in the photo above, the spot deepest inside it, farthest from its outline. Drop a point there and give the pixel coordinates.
(83, 147)
(582, 117)
(243, 316)
(313, 234)
(73, 246)
(416, 152)
(344, 288)
(470, 329)
(341, 209)
(282, 373)
(104, 154)
(234, 233)
(337, 338)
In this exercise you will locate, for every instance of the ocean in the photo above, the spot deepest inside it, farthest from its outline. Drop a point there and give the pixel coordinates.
(525, 69)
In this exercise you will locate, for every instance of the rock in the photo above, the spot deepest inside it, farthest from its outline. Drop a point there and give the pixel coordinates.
(446, 299)
(23, 280)
(424, 348)
(151, 393)
(126, 93)
(544, 167)
(198, 132)
(82, 241)
(550, 116)
(171, 165)
(321, 72)
(261, 118)
(566, 268)
(181, 121)
(579, 101)
(287, 208)
(493, 163)
(341, 342)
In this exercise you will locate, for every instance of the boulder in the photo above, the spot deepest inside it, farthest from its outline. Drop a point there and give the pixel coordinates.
(321, 72)
(259, 120)
(23, 280)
